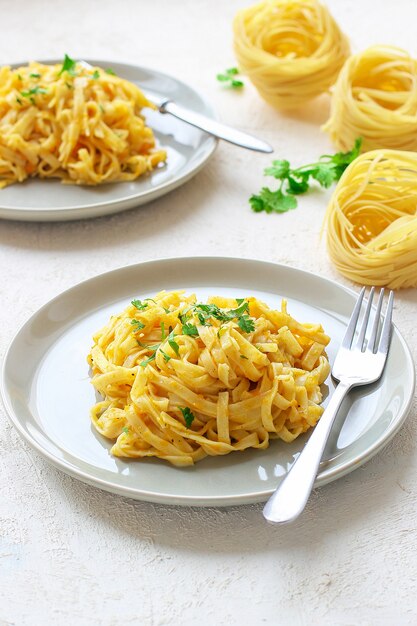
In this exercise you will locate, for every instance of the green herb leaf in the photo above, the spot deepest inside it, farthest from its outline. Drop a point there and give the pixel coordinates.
(110, 71)
(173, 343)
(165, 355)
(68, 65)
(279, 169)
(138, 304)
(148, 360)
(326, 171)
(228, 78)
(190, 329)
(33, 92)
(239, 300)
(246, 324)
(188, 416)
(163, 331)
(272, 201)
(19, 77)
(125, 430)
(96, 74)
(18, 100)
(242, 356)
(138, 325)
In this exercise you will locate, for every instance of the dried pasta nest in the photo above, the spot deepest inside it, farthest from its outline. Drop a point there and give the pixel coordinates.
(371, 221)
(375, 98)
(292, 50)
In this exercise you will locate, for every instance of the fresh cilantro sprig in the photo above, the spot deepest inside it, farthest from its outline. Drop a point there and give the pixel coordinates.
(30, 93)
(228, 78)
(206, 311)
(139, 305)
(188, 416)
(327, 170)
(69, 66)
(138, 325)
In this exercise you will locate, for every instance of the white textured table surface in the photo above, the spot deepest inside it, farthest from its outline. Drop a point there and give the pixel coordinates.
(72, 554)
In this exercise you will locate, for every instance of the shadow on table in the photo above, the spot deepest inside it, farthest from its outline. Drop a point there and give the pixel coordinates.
(137, 224)
(350, 502)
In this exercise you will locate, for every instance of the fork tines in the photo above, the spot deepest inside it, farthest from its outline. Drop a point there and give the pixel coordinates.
(378, 331)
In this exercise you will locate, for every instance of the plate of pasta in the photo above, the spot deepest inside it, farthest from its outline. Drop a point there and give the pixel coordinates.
(195, 381)
(80, 139)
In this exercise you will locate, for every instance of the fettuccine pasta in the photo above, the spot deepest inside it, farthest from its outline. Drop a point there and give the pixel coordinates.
(371, 220)
(375, 98)
(292, 50)
(80, 124)
(180, 380)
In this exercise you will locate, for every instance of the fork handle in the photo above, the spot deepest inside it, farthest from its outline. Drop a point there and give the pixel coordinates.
(291, 496)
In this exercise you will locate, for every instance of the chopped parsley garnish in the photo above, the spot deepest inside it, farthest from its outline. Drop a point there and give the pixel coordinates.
(326, 171)
(241, 313)
(242, 356)
(163, 335)
(139, 305)
(18, 100)
(19, 77)
(125, 430)
(246, 324)
(228, 78)
(96, 75)
(188, 416)
(69, 86)
(34, 75)
(151, 300)
(190, 329)
(165, 355)
(33, 92)
(148, 360)
(138, 325)
(173, 343)
(69, 66)
(110, 71)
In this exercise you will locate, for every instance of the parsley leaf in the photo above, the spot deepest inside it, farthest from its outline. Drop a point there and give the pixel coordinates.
(33, 92)
(148, 360)
(327, 170)
(190, 329)
(246, 324)
(165, 355)
(163, 331)
(112, 73)
(139, 305)
(272, 201)
(96, 74)
(173, 343)
(188, 416)
(68, 65)
(34, 75)
(138, 325)
(125, 430)
(227, 78)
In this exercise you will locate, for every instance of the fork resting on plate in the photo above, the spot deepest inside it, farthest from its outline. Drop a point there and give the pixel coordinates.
(359, 362)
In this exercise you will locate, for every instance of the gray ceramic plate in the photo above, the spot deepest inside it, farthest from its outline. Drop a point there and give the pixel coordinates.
(188, 150)
(47, 392)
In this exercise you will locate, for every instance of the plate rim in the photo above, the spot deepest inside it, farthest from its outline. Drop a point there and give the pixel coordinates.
(45, 213)
(324, 477)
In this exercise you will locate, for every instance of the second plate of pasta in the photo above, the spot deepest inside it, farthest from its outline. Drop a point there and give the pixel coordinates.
(206, 459)
(173, 151)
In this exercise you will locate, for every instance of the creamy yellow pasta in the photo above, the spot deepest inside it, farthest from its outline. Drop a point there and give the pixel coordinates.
(181, 380)
(375, 98)
(371, 221)
(80, 124)
(292, 50)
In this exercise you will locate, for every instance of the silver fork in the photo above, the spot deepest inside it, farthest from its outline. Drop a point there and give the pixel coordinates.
(359, 362)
